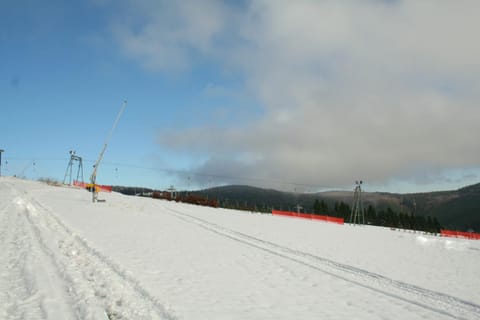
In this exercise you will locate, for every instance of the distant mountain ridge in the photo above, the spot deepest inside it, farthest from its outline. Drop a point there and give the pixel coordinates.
(455, 209)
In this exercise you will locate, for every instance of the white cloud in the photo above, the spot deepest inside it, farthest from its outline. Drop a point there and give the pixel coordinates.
(371, 89)
(166, 35)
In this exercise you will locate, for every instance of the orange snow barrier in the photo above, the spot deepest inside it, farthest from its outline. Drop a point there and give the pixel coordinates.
(460, 234)
(89, 186)
(308, 216)
(101, 187)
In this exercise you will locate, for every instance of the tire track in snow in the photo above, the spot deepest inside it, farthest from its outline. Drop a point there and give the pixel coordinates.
(437, 302)
(99, 288)
(29, 273)
(16, 292)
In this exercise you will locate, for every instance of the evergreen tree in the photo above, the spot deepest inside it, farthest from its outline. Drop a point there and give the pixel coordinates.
(371, 215)
(320, 207)
(420, 222)
(323, 207)
(316, 207)
(436, 225)
(344, 210)
(411, 222)
(390, 218)
(429, 225)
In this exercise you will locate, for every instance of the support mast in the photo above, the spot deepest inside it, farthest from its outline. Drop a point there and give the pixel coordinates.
(93, 177)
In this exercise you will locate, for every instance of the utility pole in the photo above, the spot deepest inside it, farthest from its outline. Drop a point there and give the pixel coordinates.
(357, 216)
(1, 150)
(298, 207)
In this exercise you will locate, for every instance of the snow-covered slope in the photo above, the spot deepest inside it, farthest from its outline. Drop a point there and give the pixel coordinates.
(63, 257)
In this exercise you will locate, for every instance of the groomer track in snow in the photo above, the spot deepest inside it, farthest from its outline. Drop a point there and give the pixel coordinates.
(441, 303)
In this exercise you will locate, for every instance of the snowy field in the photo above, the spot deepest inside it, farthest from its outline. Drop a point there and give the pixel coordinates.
(63, 257)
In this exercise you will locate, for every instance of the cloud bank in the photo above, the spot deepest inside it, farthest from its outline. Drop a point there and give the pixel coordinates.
(370, 89)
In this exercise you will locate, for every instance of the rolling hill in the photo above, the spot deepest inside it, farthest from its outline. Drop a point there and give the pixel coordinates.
(455, 209)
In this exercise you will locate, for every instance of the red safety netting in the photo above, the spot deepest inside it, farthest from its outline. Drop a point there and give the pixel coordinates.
(460, 234)
(308, 216)
(79, 184)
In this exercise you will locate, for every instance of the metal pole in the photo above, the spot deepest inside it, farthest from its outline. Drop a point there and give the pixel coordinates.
(93, 177)
(1, 150)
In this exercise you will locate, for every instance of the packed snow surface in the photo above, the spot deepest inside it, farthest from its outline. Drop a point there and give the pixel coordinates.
(63, 257)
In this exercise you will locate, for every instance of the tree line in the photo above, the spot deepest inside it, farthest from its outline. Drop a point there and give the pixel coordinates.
(385, 217)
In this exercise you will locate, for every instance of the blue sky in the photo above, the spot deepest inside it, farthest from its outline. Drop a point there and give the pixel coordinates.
(300, 96)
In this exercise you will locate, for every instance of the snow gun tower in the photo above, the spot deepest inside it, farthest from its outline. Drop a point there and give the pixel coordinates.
(357, 215)
(68, 172)
(93, 177)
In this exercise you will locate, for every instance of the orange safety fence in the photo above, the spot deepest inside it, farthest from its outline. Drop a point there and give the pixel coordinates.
(460, 234)
(308, 216)
(99, 187)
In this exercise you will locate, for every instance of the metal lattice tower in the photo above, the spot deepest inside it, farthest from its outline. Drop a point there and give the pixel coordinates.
(68, 172)
(357, 216)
